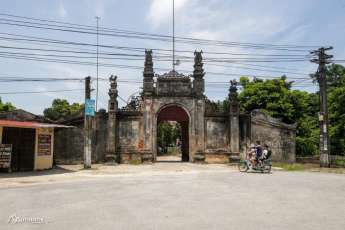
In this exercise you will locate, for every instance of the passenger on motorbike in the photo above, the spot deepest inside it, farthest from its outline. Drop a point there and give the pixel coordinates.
(251, 154)
(266, 152)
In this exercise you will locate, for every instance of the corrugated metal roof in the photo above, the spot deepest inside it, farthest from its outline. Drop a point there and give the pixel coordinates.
(29, 124)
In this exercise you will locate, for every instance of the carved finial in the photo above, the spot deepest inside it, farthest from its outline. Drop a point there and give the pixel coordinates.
(148, 88)
(148, 68)
(233, 90)
(112, 104)
(113, 86)
(198, 64)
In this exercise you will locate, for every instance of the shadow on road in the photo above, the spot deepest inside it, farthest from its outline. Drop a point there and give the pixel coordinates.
(55, 170)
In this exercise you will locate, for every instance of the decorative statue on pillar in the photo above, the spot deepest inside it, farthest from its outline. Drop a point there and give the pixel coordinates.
(198, 74)
(233, 96)
(113, 94)
(234, 132)
(111, 156)
(148, 74)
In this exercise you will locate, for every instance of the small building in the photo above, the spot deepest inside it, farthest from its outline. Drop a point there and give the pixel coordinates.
(26, 145)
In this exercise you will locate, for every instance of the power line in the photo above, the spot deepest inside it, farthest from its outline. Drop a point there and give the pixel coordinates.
(43, 91)
(127, 35)
(86, 27)
(24, 79)
(71, 51)
(137, 49)
(234, 65)
(97, 19)
(123, 66)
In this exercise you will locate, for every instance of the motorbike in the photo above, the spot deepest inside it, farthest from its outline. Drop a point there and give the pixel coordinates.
(263, 166)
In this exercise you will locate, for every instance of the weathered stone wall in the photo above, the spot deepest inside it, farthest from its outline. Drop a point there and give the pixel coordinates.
(136, 139)
(99, 137)
(217, 139)
(69, 145)
(69, 142)
(276, 134)
(129, 144)
(245, 133)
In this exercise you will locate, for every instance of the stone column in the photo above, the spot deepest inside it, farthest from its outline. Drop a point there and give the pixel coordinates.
(198, 75)
(199, 109)
(148, 122)
(111, 156)
(234, 125)
(148, 74)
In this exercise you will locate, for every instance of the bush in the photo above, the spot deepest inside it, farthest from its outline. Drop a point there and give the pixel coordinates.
(306, 146)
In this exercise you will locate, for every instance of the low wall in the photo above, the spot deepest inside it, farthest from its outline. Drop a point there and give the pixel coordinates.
(216, 139)
(280, 137)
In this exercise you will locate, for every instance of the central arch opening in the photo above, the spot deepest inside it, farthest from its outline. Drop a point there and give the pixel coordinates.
(172, 134)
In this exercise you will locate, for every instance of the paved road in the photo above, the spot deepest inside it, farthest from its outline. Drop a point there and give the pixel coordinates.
(218, 198)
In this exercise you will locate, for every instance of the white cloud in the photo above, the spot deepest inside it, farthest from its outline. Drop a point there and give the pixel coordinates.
(161, 11)
(62, 12)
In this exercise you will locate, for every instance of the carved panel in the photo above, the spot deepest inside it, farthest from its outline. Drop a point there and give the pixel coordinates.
(174, 87)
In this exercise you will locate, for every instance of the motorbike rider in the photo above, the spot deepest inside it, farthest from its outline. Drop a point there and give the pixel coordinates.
(259, 151)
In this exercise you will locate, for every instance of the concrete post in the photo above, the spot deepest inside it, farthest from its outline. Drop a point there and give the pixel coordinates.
(323, 59)
(87, 127)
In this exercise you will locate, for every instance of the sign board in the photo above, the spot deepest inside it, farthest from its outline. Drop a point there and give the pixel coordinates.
(5, 155)
(90, 107)
(44, 145)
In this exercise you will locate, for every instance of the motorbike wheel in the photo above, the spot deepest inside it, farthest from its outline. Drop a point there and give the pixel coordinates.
(242, 166)
(268, 168)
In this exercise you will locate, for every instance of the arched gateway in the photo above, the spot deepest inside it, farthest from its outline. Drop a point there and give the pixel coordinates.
(176, 97)
(176, 112)
(129, 134)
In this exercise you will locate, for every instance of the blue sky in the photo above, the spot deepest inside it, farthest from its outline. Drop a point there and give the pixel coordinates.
(307, 22)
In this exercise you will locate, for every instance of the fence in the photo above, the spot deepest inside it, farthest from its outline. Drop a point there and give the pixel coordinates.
(335, 160)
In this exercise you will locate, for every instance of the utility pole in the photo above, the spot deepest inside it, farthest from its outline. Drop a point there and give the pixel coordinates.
(87, 126)
(173, 37)
(97, 19)
(322, 59)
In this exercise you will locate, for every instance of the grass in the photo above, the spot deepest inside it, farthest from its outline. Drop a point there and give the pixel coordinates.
(290, 167)
(340, 162)
(135, 162)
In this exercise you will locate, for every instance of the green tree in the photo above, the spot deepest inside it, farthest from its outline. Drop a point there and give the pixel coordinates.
(276, 98)
(336, 107)
(168, 133)
(164, 134)
(4, 107)
(61, 108)
(272, 96)
(337, 120)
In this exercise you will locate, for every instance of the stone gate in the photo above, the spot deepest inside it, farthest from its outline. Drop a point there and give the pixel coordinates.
(129, 134)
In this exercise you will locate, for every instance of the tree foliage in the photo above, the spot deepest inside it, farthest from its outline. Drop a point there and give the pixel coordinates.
(4, 107)
(168, 133)
(61, 108)
(276, 98)
(272, 96)
(336, 107)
